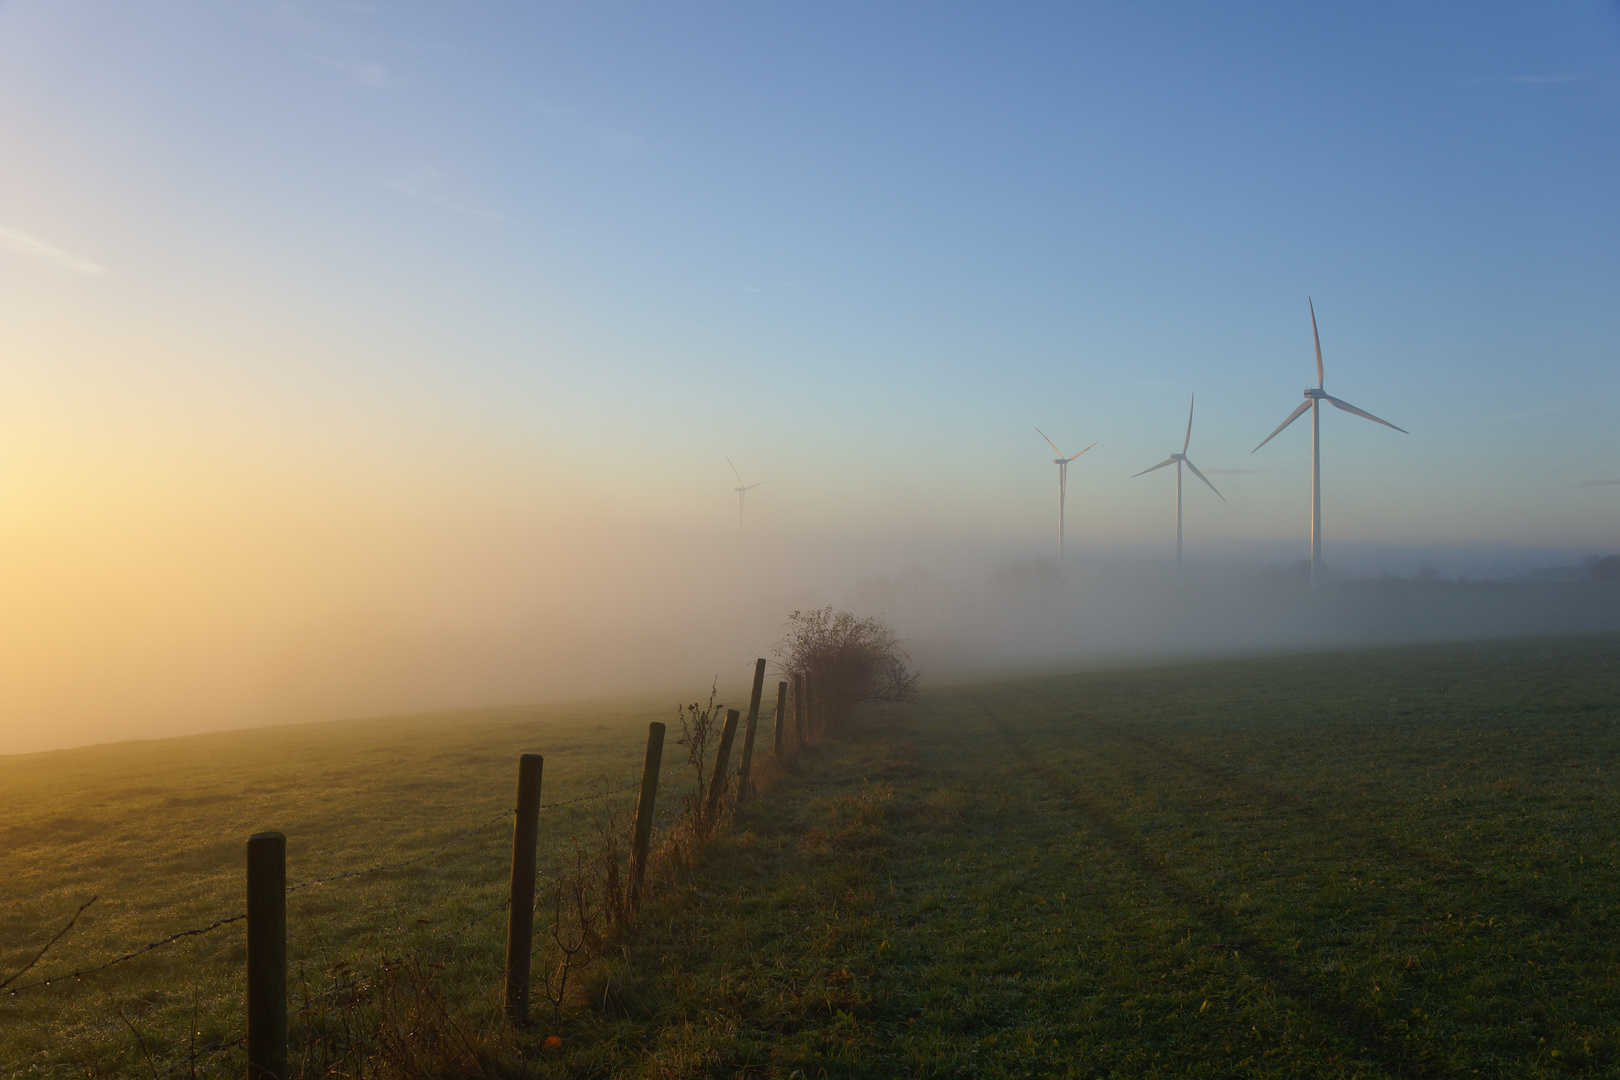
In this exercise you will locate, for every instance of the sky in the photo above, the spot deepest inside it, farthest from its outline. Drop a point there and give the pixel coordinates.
(352, 337)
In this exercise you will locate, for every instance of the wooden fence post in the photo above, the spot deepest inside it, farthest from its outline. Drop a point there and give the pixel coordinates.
(748, 731)
(520, 910)
(717, 783)
(267, 956)
(798, 707)
(780, 720)
(644, 810)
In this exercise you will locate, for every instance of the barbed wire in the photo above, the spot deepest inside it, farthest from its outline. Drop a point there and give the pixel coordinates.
(20, 972)
(475, 830)
(588, 798)
(195, 1056)
(228, 920)
(144, 949)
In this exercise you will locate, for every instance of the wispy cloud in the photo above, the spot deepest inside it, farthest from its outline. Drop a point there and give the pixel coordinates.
(423, 186)
(1598, 483)
(17, 240)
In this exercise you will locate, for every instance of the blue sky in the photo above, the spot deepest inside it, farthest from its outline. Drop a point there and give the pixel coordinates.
(281, 283)
(866, 248)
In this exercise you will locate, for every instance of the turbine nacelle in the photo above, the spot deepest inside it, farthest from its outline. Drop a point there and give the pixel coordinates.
(742, 491)
(1314, 396)
(1062, 461)
(1178, 460)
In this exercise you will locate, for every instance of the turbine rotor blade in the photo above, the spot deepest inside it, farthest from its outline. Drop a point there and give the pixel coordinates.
(734, 471)
(1160, 465)
(1188, 440)
(1295, 415)
(1205, 479)
(751, 487)
(1081, 452)
(1049, 442)
(1318, 338)
(1349, 408)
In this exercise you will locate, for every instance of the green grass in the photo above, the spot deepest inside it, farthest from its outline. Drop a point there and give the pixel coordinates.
(1379, 863)
(156, 830)
(1362, 864)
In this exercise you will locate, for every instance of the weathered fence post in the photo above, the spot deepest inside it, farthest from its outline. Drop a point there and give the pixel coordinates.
(780, 720)
(520, 911)
(267, 956)
(717, 783)
(798, 707)
(748, 731)
(644, 810)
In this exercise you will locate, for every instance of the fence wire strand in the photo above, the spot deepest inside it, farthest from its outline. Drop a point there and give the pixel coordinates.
(228, 920)
(144, 949)
(20, 972)
(474, 831)
(588, 798)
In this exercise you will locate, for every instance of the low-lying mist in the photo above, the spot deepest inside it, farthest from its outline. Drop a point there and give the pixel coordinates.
(1034, 613)
(272, 634)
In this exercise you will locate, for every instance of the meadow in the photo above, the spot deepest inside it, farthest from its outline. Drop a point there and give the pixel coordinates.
(1397, 862)
(1393, 862)
(156, 831)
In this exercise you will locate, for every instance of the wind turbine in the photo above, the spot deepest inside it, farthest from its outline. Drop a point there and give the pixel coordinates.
(1313, 401)
(1063, 482)
(1178, 460)
(741, 489)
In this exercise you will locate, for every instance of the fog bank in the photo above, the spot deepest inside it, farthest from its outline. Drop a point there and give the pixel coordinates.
(151, 637)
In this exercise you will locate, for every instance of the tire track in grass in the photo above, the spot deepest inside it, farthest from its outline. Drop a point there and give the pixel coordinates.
(1343, 825)
(1517, 898)
(1353, 1022)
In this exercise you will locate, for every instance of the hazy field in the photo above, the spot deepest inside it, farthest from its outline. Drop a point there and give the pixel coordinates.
(1382, 863)
(157, 830)
(1394, 862)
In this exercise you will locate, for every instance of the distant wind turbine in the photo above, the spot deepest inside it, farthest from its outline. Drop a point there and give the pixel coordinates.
(741, 489)
(1063, 482)
(1178, 460)
(1313, 401)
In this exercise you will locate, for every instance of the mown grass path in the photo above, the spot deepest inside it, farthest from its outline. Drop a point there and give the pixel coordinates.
(1391, 863)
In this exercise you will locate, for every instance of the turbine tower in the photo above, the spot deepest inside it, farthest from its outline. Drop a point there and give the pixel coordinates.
(741, 489)
(1063, 482)
(1178, 460)
(1313, 401)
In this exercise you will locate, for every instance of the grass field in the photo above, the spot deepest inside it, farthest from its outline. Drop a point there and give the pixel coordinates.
(1384, 863)
(1364, 864)
(156, 831)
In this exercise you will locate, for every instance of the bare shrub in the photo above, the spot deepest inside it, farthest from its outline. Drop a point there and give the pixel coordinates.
(850, 660)
(700, 726)
(577, 906)
(589, 898)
